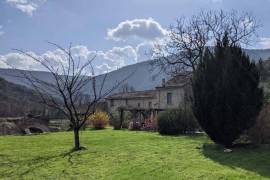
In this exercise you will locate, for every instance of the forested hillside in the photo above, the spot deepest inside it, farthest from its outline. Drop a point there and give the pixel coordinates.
(17, 100)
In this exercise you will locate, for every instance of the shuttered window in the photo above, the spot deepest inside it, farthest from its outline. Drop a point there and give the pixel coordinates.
(169, 98)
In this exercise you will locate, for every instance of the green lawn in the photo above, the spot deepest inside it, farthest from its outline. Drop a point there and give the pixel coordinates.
(128, 155)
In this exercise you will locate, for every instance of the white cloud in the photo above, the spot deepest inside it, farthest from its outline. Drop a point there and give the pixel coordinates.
(103, 68)
(114, 58)
(18, 60)
(124, 55)
(26, 6)
(144, 51)
(264, 43)
(147, 29)
(80, 51)
(3, 63)
(104, 60)
(17, 1)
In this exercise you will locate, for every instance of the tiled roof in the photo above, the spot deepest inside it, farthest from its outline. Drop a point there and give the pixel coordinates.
(134, 95)
(178, 80)
(175, 82)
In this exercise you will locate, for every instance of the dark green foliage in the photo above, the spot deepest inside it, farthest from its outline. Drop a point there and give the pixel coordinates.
(226, 94)
(18, 100)
(173, 122)
(115, 120)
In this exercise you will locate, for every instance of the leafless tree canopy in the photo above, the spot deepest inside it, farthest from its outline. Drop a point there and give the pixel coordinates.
(71, 78)
(186, 42)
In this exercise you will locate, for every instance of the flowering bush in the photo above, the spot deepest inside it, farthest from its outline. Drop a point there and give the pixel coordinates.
(150, 124)
(135, 125)
(99, 120)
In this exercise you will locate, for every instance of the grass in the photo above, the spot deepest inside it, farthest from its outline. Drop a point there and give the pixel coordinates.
(128, 155)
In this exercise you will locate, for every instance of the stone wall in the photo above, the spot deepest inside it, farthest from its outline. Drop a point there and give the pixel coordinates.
(23, 125)
(159, 101)
(139, 103)
(177, 98)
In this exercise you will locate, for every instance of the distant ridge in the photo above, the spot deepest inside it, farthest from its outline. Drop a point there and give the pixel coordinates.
(144, 77)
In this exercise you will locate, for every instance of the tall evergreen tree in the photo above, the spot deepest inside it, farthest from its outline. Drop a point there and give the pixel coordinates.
(227, 98)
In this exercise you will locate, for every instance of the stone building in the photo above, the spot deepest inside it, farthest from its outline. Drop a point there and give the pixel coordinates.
(169, 95)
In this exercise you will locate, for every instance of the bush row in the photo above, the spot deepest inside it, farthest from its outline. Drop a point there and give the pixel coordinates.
(177, 121)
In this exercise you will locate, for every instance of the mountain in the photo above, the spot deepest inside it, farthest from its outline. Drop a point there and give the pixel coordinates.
(256, 54)
(143, 75)
(16, 100)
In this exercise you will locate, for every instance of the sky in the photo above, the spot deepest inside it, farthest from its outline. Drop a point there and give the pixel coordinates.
(118, 32)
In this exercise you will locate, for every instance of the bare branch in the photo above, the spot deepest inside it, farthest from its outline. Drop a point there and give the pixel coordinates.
(66, 92)
(187, 40)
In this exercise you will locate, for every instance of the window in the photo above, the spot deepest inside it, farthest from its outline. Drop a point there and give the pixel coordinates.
(169, 98)
(150, 104)
(139, 104)
(112, 102)
(126, 101)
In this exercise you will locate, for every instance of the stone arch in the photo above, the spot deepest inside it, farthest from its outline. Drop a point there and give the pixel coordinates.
(35, 129)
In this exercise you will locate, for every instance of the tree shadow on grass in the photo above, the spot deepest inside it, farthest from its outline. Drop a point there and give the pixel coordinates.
(26, 166)
(23, 167)
(249, 157)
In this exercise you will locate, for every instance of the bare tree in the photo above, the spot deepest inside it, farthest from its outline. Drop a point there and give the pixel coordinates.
(186, 42)
(70, 79)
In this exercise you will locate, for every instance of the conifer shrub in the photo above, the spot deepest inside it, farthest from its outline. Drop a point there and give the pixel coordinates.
(227, 97)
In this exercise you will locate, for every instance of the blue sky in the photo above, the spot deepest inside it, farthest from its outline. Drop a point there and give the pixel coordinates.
(28, 24)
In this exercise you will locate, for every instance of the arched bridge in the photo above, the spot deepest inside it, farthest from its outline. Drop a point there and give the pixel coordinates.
(23, 125)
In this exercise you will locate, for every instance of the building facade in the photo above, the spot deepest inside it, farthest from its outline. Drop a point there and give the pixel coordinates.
(170, 95)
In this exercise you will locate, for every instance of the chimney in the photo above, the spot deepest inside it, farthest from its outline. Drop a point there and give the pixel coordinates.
(163, 82)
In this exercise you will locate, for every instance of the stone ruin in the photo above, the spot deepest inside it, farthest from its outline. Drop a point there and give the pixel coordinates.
(23, 125)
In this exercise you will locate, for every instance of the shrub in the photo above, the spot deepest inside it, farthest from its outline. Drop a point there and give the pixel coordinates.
(173, 122)
(227, 98)
(260, 132)
(150, 123)
(99, 120)
(115, 120)
(135, 125)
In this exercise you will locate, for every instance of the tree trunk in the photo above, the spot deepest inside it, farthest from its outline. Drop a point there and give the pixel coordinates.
(76, 139)
(121, 118)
